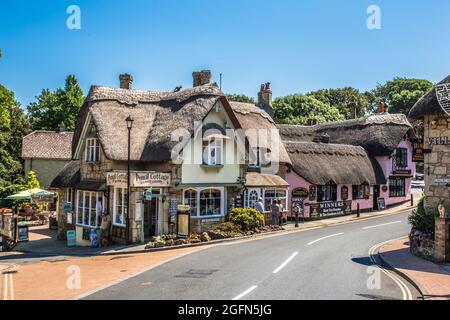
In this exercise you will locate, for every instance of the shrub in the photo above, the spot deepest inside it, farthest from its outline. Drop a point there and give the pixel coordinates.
(246, 218)
(423, 219)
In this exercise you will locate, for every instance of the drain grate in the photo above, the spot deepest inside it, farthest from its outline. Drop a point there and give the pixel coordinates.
(197, 273)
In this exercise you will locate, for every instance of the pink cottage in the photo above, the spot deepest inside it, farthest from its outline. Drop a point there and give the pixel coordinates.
(339, 166)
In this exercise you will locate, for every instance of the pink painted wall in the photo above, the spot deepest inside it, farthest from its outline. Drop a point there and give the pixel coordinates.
(295, 181)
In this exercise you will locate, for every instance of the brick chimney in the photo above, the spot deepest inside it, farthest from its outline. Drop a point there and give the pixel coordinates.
(201, 77)
(265, 98)
(126, 81)
(381, 107)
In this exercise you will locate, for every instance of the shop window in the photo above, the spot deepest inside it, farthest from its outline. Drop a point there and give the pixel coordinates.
(92, 153)
(213, 152)
(327, 192)
(210, 202)
(252, 198)
(190, 199)
(401, 158)
(89, 208)
(270, 195)
(397, 187)
(360, 191)
(120, 206)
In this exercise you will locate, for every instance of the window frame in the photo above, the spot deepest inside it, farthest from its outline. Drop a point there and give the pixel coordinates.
(124, 204)
(197, 215)
(401, 158)
(81, 216)
(329, 190)
(396, 189)
(362, 189)
(92, 151)
(213, 145)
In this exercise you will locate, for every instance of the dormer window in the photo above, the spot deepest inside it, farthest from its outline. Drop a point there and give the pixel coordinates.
(257, 154)
(213, 152)
(92, 153)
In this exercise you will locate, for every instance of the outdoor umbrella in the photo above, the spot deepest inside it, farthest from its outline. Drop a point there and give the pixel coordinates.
(27, 194)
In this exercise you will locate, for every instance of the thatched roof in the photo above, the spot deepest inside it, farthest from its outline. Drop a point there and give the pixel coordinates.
(47, 145)
(251, 117)
(428, 104)
(255, 179)
(379, 134)
(68, 177)
(156, 115)
(320, 163)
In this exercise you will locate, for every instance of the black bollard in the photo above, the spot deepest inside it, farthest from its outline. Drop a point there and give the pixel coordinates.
(357, 210)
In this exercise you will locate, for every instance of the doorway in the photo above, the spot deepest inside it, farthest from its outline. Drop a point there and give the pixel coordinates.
(151, 214)
(376, 195)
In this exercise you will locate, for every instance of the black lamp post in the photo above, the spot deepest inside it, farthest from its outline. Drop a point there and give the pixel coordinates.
(129, 121)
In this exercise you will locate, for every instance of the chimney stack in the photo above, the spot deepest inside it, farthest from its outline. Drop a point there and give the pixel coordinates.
(354, 110)
(126, 81)
(201, 77)
(381, 107)
(265, 98)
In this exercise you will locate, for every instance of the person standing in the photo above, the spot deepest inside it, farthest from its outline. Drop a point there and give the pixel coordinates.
(259, 206)
(275, 213)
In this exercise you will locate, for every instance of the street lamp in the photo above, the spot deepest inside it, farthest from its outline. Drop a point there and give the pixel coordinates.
(129, 121)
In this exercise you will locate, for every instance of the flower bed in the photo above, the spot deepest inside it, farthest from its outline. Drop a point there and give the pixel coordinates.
(225, 230)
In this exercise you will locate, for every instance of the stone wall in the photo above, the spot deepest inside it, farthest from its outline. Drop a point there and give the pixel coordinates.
(422, 244)
(442, 238)
(437, 163)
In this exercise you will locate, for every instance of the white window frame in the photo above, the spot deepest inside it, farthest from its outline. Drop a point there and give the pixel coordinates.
(70, 195)
(257, 163)
(199, 191)
(92, 151)
(123, 206)
(80, 216)
(215, 145)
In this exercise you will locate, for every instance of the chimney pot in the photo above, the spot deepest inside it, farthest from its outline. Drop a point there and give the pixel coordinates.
(381, 107)
(201, 77)
(126, 81)
(265, 98)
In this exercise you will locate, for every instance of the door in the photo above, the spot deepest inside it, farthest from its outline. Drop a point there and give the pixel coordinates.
(376, 195)
(151, 210)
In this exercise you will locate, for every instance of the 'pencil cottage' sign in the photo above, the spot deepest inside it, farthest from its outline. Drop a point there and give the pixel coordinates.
(138, 179)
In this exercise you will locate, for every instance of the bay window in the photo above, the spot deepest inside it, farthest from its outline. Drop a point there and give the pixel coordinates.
(89, 207)
(204, 202)
(120, 206)
(190, 199)
(270, 195)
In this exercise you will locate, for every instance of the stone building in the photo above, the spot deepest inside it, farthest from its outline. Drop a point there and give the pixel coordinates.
(433, 110)
(46, 153)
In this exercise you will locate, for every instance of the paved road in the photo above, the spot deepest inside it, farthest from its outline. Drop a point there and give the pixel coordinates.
(327, 263)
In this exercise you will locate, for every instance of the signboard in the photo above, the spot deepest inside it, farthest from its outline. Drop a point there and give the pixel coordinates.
(438, 141)
(183, 207)
(173, 207)
(149, 194)
(71, 238)
(312, 193)
(67, 207)
(22, 233)
(42, 199)
(301, 193)
(443, 96)
(402, 171)
(441, 181)
(6, 225)
(138, 179)
(418, 150)
(381, 204)
(327, 209)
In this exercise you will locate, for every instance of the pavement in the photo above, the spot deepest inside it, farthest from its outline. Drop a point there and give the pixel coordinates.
(432, 279)
(334, 262)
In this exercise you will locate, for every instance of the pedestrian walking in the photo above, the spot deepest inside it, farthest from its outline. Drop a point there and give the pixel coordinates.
(259, 206)
(275, 213)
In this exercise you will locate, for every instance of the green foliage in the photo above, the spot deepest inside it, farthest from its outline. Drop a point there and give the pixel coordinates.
(9, 190)
(54, 108)
(32, 182)
(400, 94)
(240, 98)
(423, 219)
(246, 218)
(343, 99)
(298, 109)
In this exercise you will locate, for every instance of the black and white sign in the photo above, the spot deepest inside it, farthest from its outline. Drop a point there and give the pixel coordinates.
(443, 96)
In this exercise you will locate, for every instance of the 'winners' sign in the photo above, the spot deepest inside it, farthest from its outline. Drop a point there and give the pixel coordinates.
(443, 96)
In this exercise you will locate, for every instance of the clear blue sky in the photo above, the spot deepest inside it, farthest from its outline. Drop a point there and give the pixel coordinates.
(296, 45)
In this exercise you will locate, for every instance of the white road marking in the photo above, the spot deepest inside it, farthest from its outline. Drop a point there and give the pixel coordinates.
(246, 292)
(5, 286)
(381, 225)
(317, 240)
(407, 295)
(286, 262)
(11, 286)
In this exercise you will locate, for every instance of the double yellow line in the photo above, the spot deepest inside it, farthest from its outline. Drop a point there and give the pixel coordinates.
(8, 283)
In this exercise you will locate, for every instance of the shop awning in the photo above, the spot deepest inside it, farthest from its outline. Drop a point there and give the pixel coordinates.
(255, 179)
(91, 185)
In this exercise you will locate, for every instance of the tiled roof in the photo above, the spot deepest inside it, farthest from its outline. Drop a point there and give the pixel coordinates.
(47, 145)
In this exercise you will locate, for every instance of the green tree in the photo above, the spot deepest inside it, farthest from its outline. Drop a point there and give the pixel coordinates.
(240, 98)
(31, 182)
(400, 94)
(344, 99)
(53, 108)
(298, 109)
